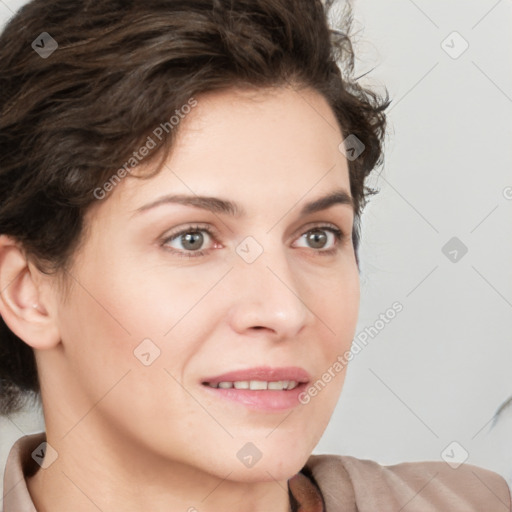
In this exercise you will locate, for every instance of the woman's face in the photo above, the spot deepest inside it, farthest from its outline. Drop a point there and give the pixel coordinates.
(152, 316)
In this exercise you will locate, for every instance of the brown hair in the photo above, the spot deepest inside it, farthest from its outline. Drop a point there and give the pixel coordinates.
(72, 118)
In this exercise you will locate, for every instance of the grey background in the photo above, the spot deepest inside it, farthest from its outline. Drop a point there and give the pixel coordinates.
(438, 372)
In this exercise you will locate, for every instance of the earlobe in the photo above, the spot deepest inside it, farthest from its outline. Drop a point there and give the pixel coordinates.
(22, 304)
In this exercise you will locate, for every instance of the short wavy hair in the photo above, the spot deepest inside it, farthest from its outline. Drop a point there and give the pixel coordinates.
(69, 120)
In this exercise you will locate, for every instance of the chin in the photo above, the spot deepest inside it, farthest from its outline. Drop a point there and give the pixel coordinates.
(272, 465)
(269, 472)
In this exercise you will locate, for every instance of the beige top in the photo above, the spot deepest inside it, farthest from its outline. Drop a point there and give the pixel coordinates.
(346, 484)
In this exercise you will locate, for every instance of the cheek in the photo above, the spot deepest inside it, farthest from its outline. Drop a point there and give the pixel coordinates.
(337, 306)
(134, 392)
(123, 318)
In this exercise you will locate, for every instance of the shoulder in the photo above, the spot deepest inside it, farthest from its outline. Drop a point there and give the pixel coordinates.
(19, 465)
(367, 486)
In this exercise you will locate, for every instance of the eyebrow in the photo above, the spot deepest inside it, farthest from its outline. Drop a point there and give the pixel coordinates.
(224, 206)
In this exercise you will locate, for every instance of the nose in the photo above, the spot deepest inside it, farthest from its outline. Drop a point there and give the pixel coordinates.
(268, 296)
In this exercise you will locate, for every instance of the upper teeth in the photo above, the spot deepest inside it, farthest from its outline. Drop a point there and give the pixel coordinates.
(256, 384)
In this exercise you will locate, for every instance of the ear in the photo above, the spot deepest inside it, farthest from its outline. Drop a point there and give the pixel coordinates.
(24, 299)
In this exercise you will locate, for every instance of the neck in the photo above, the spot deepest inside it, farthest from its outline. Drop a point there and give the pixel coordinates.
(106, 472)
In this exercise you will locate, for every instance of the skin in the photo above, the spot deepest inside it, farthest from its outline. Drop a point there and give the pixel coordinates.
(152, 435)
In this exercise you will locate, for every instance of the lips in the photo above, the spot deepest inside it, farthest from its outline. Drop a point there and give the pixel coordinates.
(263, 389)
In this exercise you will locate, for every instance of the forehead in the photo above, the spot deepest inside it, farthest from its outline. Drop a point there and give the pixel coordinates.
(260, 147)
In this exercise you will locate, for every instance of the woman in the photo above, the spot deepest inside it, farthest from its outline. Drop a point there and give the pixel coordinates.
(181, 187)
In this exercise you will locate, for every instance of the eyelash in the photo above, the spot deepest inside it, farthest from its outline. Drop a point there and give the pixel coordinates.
(338, 234)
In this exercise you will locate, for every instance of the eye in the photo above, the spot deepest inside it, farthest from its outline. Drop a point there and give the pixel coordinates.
(188, 241)
(325, 238)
